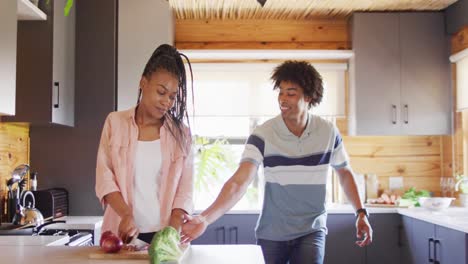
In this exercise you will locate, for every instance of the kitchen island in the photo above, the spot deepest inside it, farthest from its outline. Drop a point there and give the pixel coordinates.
(197, 254)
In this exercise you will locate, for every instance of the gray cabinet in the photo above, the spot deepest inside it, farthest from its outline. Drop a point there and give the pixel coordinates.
(431, 243)
(401, 74)
(387, 240)
(8, 30)
(340, 244)
(143, 25)
(45, 82)
(230, 229)
(450, 246)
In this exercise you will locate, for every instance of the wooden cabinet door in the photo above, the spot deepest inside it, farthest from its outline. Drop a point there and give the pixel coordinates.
(63, 65)
(230, 229)
(450, 246)
(240, 228)
(376, 62)
(8, 29)
(340, 244)
(422, 242)
(385, 247)
(425, 83)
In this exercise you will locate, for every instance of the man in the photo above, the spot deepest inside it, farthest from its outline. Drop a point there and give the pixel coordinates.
(297, 150)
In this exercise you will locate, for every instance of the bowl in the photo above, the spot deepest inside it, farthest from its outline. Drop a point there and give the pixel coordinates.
(435, 203)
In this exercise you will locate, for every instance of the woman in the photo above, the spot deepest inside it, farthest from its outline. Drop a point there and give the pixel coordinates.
(144, 166)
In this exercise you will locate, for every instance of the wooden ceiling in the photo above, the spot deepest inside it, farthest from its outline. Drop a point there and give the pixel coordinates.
(294, 9)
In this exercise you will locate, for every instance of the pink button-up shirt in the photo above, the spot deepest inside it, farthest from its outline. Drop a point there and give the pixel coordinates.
(115, 169)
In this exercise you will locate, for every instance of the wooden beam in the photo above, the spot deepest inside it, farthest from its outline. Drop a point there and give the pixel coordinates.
(265, 45)
(262, 34)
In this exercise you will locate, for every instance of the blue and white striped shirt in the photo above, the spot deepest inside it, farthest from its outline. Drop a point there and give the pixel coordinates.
(296, 171)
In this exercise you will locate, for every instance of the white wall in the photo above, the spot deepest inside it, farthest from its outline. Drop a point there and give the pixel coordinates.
(143, 25)
(8, 32)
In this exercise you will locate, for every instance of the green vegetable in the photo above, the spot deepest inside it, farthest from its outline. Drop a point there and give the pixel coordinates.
(412, 196)
(165, 246)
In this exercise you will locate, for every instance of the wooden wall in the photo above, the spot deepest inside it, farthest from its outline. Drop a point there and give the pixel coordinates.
(262, 34)
(418, 159)
(14, 150)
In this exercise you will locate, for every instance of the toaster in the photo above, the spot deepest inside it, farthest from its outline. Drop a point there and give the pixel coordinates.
(52, 203)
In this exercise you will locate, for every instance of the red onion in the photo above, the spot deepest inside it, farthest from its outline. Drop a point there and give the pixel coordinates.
(105, 235)
(111, 244)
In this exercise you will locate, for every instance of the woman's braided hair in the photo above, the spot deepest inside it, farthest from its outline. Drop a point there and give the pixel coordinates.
(166, 57)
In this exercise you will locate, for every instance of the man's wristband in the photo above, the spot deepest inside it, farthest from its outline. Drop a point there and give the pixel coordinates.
(362, 210)
(203, 219)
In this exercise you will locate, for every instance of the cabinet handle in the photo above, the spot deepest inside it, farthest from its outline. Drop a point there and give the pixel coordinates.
(223, 232)
(436, 261)
(234, 228)
(431, 260)
(57, 84)
(406, 114)
(394, 114)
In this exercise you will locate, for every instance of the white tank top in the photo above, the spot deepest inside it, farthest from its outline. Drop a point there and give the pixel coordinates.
(146, 206)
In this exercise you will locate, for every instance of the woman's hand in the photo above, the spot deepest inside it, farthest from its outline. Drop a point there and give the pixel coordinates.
(194, 227)
(177, 219)
(127, 228)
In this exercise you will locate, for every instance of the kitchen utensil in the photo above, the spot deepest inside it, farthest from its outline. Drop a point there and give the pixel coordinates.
(29, 214)
(435, 203)
(19, 172)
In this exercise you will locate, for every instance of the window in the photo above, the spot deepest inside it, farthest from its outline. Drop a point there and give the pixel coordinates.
(230, 100)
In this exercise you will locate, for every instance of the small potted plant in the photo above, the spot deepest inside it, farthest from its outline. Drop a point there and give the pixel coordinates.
(462, 187)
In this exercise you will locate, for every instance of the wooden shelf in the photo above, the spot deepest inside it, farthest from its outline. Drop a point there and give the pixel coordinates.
(28, 11)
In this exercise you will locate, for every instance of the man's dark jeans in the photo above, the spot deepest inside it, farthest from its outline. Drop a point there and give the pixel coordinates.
(308, 249)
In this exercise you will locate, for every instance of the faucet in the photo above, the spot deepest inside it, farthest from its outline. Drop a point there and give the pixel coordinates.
(463, 179)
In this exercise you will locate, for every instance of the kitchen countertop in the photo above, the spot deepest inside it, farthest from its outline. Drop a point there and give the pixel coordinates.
(453, 217)
(333, 208)
(78, 223)
(198, 254)
(33, 241)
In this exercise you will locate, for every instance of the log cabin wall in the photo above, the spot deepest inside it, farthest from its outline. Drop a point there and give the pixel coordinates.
(421, 160)
(14, 150)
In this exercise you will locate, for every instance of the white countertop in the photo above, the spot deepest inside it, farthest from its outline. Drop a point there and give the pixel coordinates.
(332, 208)
(78, 223)
(198, 254)
(33, 240)
(453, 217)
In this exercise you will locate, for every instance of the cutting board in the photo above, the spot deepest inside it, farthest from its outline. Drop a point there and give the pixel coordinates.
(97, 253)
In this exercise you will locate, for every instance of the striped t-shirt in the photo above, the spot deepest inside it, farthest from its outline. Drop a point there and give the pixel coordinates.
(296, 171)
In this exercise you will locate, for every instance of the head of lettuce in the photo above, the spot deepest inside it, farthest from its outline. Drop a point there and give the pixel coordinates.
(165, 246)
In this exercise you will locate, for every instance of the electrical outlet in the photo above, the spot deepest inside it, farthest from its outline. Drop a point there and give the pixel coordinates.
(395, 183)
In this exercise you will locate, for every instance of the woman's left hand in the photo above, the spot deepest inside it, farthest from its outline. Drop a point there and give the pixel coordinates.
(177, 219)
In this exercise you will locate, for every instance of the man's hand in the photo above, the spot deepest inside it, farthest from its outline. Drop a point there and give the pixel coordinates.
(193, 227)
(127, 228)
(363, 231)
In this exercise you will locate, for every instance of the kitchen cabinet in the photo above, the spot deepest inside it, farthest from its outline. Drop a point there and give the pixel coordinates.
(45, 79)
(143, 25)
(230, 229)
(340, 244)
(401, 74)
(386, 243)
(8, 28)
(431, 243)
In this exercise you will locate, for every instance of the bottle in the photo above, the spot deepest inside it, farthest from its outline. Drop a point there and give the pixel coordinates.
(34, 181)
